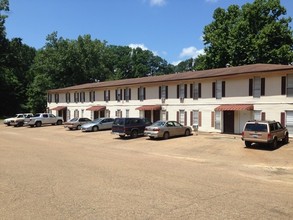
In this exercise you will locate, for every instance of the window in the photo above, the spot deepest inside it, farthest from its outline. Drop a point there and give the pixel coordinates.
(118, 93)
(92, 96)
(119, 113)
(181, 116)
(127, 113)
(218, 120)
(107, 113)
(195, 91)
(219, 89)
(76, 113)
(182, 91)
(141, 93)
(76, 97)
(164, 115)
(289, 121)
(56, 98)
(127, 94)
(290, 85)
(257, 87)
(68, 116)
(67, 97)
(82, 96)
(49, 97)
(195, 117)
(107, 95)
(257, 115)
(163, 92)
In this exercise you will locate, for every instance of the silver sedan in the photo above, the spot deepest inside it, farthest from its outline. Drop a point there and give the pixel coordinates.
(166, 129)
(98, 124)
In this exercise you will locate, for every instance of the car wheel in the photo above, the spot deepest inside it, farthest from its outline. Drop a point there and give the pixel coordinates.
(20, 124)
(247, 143)
(274, 145)
(166, 135)
(31, 126)
(187, 132)
(134, 134)
(95, 128)
(38, 124)
(78, 127)
(286, 139)
(152, 138)
(59, 122)
(122, 136)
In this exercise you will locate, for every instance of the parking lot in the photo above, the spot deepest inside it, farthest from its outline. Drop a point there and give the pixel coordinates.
(53, 173)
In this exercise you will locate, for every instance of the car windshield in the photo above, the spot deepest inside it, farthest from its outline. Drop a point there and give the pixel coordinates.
(97, 120)
(256, 127)
(73, 119)
(119, 121)
(159, 124)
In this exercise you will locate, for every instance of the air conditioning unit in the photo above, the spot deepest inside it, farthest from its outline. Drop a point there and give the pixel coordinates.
(181, 100)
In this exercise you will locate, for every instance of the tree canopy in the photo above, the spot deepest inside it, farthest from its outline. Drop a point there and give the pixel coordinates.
(257, 32)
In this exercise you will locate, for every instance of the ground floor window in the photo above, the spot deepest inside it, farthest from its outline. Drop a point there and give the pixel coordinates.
(218, 120)
(289, 121)
(127, 113)
(76, 113)
(181, 116)
(195, 117)
(119, 113)
(68, 115)
(107, 113)
(257, 115)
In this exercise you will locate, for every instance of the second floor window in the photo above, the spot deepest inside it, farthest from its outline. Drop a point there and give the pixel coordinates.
(49, 98)
(195, 90)
(141, 93)
(76, 97)
(182, 91)
(127, 94)
(107, 95)
(82, 96)
(289, 85)
(92, 96)
(257, 87)
(219, 89)
(118, 94)
(67, 97)
(163, 92)
(56, 98)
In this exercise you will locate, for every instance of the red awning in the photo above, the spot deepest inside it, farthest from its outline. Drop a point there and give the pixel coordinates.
(96, 108)
(58, 108)
(234, 107)
(149, 107)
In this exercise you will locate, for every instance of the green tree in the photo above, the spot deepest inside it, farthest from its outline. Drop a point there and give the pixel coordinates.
(257, 32)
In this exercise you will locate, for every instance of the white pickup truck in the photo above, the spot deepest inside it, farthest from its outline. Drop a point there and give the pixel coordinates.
(18, 119)
(40, 119)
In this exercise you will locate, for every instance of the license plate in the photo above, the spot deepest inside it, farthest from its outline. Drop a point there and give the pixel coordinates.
(255, 136)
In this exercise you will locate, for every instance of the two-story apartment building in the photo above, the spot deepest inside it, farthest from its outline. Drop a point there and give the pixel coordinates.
(217, 100)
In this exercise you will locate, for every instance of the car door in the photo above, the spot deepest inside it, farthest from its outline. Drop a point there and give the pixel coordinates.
(108, 123)
(178, 129)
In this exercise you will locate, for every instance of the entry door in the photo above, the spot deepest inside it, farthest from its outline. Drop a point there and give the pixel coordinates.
(229, 122)
(148, 114)
(156, 115)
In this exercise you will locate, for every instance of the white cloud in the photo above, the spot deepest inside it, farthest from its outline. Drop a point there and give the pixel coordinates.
(142, 46)
(157, 2)
(191, 52)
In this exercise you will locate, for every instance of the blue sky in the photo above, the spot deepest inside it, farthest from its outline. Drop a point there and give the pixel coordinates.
(172, 29)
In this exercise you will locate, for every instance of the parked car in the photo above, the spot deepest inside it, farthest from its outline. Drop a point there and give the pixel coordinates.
(76, 123)
(166, 129)
(98, 124)
(40, 119)
(132, 127)
(264, 132)
(17, 120)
